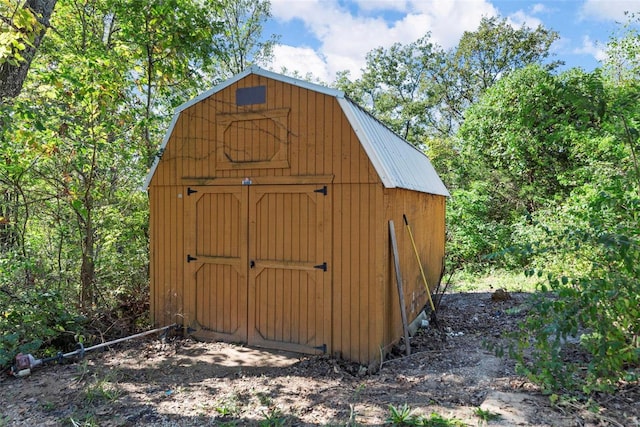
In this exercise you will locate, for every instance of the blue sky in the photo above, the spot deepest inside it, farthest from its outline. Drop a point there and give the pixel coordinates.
(322, 37)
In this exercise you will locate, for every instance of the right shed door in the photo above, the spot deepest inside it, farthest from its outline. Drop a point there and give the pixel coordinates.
(290, 267)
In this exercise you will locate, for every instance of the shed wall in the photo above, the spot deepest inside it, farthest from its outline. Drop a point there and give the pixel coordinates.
(359, 276)
(426, 216)
(321, 148)
(166, 255)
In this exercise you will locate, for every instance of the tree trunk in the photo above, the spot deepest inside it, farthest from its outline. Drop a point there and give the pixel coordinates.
(87, 268)
(12, 77)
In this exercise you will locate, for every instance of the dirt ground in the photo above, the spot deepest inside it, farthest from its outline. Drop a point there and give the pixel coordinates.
(186, 383)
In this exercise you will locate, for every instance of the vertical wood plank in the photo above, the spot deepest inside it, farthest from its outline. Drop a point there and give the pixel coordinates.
(396, 261)
(307, 102)
(166, 273)
(378, 253)
(295, 130)
(154, 249)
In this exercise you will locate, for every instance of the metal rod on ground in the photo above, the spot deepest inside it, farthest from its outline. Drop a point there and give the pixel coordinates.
(396, 261)
(119, 340)
(25, 362)
(424, 278)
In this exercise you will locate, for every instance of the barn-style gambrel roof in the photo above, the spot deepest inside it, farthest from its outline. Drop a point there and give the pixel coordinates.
(398, 163)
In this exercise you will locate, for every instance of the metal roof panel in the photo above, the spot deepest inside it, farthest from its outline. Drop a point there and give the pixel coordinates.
(398, 163)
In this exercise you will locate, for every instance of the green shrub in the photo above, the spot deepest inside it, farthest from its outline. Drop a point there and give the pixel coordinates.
(582, 333)
(32, 318)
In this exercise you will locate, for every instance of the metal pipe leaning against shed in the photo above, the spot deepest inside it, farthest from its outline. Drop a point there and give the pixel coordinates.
(26, 362)
(424, 278)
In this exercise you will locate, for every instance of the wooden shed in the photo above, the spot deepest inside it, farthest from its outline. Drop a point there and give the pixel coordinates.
(269, 212)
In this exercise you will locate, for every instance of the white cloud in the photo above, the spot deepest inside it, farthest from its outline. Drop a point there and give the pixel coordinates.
(448, 20)
(539, 8)
(290, 9)
(372, 5)
(608, 10)
(304, 60)
(520, 18)
(345, 38)
(589, 47)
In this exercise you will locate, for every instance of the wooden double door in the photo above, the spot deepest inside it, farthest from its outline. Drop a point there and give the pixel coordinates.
(258, 264)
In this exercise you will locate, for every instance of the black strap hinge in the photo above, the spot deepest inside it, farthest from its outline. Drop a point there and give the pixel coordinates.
(322, 190)
(190, 191)
(322, 266)
(322, 348)
(190, 258)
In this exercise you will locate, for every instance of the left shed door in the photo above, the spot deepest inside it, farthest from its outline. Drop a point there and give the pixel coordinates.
(217, 261)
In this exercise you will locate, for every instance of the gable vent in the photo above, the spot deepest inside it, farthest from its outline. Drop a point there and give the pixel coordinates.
(251, 95)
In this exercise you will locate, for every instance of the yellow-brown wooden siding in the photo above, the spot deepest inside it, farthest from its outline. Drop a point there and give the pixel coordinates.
(321, 148)
(426, 215)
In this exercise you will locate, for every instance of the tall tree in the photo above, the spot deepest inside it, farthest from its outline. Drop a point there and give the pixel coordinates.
(526, 132)
(396, 86)
(91, 114)
(167, 45)
(486, 55)
(420, 90)
(623, 60)
(23, 25)
(241, 42)
(82, 132)
(22, 28)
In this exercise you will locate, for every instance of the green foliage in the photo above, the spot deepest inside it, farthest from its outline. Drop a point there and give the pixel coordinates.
(397, 87)
(18, 29)
(273, 417)
(437, 420)
(474, 214)
(404, 416)
(32, 317)
(524, 134)
(533, 144)
(240, 44)
(228, 407)
(486, 415)
(584, 326)
(487, 55)
(102, 390)
(528, 143)
(623, 62)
